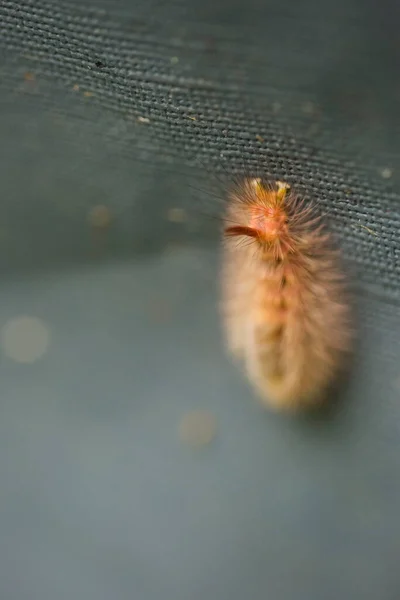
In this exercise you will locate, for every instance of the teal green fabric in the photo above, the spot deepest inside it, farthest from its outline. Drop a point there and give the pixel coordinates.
(120, 124)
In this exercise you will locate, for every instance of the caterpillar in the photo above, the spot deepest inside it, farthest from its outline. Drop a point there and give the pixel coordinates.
(285, 307)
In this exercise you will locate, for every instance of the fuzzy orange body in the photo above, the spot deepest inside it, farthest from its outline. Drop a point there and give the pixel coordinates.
(285, 309)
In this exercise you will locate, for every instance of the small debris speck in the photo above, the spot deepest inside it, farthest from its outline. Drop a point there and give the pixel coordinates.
(88, 94)
(386, 173)
(75, 88)
(370, 231)
(99, 217)
(308, 108)
(99, 64)
(259, 138)
(198, 428)
(192, 118)
(25, 339)
(159, 312)
(314, 128)
(176, 215)
(28, 76)
(174, 60)
(174, 248)
(143, 120)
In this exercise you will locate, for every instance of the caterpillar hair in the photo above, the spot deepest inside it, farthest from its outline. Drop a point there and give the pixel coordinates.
(285, 306)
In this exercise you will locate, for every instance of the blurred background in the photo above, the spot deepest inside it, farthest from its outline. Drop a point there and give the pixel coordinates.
(135, 461)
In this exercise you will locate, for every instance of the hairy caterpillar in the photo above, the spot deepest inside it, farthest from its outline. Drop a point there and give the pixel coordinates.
(285, 309)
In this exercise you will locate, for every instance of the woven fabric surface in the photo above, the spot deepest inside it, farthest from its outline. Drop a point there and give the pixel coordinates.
(303, 93)
(121, 124)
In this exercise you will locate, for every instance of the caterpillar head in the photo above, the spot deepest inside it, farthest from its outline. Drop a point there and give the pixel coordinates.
(264, 213)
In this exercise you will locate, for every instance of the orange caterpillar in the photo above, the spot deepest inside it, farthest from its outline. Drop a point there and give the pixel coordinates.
(286, 315)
